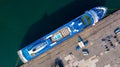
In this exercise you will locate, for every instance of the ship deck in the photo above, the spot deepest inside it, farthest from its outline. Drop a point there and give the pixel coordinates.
(93, 34)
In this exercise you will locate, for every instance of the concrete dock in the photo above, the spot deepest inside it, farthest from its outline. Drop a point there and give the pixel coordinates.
(97, 57)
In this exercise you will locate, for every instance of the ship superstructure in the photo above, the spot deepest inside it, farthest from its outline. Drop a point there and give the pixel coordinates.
(61, 34)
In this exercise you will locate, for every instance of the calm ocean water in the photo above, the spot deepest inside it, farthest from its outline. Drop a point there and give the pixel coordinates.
(24, 21)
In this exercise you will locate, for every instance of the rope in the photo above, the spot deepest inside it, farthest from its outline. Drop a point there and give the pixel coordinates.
(17, 62)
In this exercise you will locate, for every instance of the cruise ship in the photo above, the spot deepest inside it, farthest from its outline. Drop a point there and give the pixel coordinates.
(62, 33)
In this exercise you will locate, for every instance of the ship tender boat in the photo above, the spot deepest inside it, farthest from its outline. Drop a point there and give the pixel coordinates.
(61, 34)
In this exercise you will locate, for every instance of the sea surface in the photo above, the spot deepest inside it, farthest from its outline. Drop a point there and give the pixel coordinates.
(24, 21)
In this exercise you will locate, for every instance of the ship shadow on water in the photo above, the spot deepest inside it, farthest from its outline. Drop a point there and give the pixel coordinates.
(51, 22)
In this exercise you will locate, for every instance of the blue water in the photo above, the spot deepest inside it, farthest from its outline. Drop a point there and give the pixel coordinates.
(24, 21)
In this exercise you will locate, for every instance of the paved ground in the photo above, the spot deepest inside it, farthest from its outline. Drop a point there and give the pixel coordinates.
(98, 57)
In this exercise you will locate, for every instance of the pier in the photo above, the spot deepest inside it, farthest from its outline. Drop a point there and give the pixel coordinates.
(93, 34)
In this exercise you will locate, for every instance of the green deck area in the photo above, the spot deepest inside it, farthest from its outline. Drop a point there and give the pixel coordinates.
(88, 20)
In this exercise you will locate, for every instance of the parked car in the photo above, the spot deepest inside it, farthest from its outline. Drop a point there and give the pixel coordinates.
(111, 44)
(108, 38)
(106, 48)
(86, 43)
(117, 30)
(85, 51)
(59, 62)
(103, 39)
(77, 47)
(105, 45)
(79, 39)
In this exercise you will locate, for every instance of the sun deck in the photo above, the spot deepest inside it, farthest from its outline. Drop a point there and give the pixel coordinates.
(60, 34)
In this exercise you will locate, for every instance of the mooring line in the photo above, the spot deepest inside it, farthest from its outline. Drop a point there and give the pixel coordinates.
(17, 62)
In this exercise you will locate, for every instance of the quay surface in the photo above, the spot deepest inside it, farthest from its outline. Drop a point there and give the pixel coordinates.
(93, 34)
